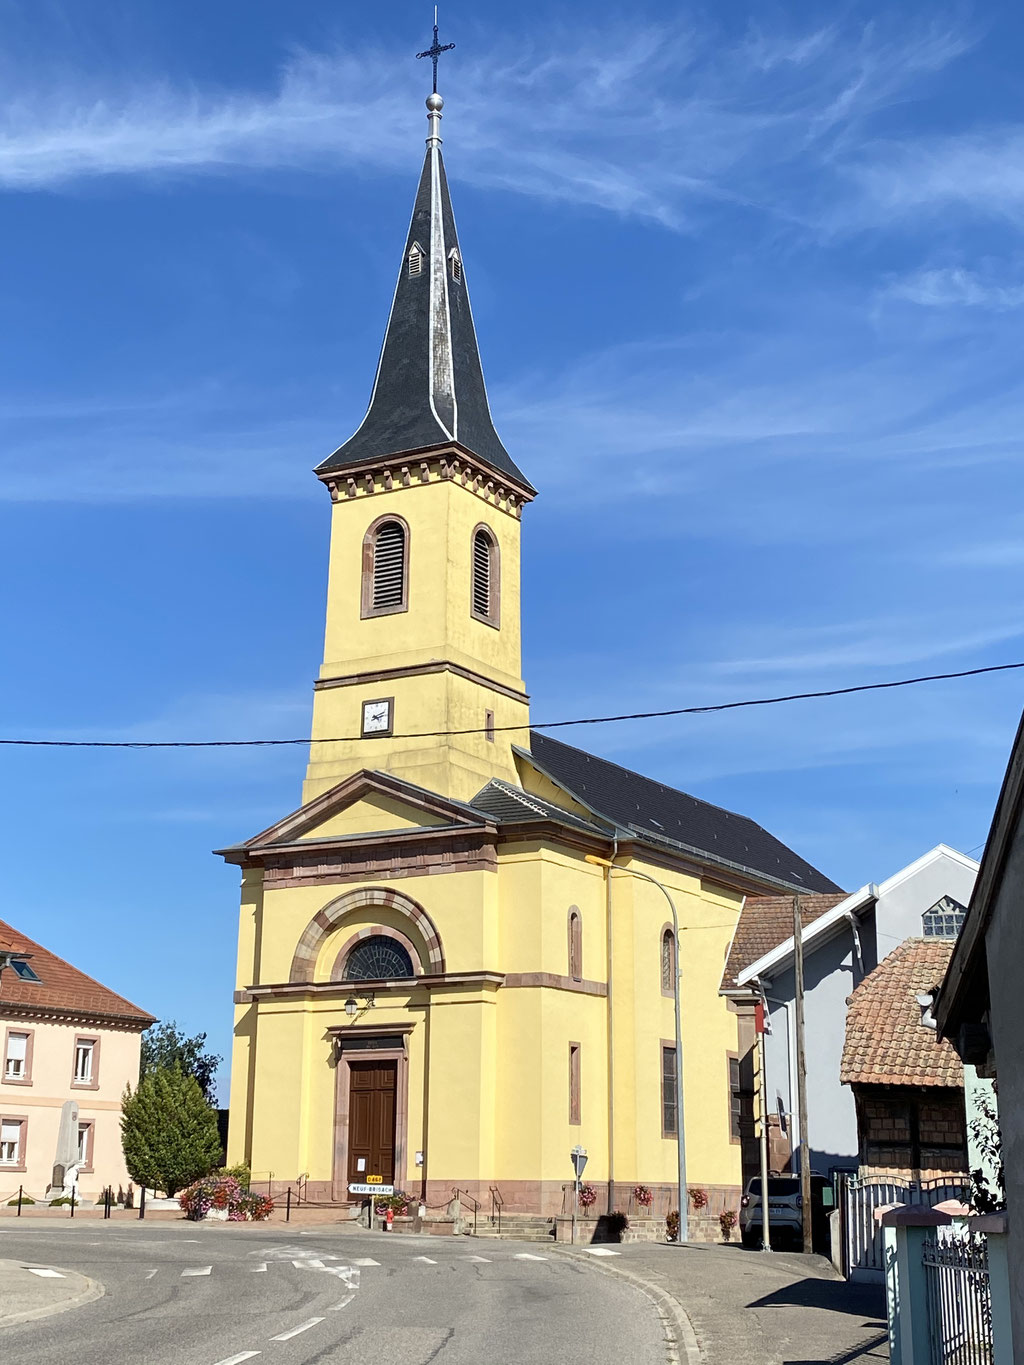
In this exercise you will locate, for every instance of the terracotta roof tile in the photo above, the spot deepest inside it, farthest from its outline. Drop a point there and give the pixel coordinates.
(886, 1043)
(767, 921)
(62, 988)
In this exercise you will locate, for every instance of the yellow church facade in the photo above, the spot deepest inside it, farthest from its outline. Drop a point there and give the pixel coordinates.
(435, 987)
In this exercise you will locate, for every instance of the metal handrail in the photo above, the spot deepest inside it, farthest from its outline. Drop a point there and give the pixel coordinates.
(497, 1204)
(465, 1194)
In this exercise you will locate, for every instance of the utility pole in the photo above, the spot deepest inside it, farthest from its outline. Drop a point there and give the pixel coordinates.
(766, 1238)
(807, 1219)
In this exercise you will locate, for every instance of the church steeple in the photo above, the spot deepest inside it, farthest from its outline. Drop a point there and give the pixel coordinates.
(429, 390)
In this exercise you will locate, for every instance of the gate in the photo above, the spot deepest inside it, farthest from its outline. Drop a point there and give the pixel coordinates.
(862, 1236)
(959, 1298)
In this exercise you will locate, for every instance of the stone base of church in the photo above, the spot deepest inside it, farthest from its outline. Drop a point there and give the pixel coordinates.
(550, 1199)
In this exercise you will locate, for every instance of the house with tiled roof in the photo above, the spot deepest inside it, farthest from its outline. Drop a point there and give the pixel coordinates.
(845, 938)
(66, 1040)
(907, 1083)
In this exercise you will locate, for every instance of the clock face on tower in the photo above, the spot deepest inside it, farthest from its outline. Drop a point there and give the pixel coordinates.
(377, 716)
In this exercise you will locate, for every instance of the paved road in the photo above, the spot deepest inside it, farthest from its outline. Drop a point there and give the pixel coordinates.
(187, 1294)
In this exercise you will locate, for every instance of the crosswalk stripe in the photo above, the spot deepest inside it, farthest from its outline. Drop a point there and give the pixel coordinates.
(302, 1327)
(529, 1256)
(426, 1260)
(44, 1274)
(481, 1260)
(197, 1270)
(365, 1260)
(601, 1251)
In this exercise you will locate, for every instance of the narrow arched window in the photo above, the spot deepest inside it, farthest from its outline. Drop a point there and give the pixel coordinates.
(385, 567)
(575, 945)
(668, 963)
(485, 594)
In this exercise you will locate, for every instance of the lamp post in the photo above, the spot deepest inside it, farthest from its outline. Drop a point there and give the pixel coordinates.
(680, 1130)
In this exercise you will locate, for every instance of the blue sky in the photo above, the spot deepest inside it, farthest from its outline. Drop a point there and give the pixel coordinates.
(749, 290)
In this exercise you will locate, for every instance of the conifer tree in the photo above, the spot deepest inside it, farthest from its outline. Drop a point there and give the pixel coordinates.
(168, 1131)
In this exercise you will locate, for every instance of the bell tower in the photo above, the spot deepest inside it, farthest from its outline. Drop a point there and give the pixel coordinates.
(422, 656)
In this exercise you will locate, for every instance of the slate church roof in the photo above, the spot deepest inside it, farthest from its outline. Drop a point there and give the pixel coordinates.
(659, 814)
(429, 390)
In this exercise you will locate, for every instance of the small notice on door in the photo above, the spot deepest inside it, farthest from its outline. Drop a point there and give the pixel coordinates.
(361, 1164)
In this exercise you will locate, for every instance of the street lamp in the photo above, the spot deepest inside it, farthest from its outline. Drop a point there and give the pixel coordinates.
(684, 1229)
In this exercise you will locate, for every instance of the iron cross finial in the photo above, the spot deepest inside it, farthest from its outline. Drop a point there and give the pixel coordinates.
(435, 50)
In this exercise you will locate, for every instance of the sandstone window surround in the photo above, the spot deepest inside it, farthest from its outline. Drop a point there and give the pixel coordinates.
(18, 1048)
(86, 1065)
(13, 1140)
(385, 571)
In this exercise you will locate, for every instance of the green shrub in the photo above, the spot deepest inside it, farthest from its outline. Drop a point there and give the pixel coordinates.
(25, 1199)
(61, 1203)
(240, 1172)
(168, 1131)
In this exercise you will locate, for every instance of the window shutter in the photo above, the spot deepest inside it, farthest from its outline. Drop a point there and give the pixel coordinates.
(17, 1047)
(482, 574)
(389, 566)
(415, 260)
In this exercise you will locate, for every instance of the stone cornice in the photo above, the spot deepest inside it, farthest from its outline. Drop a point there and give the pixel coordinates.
(17, 1009)
(433, 464)
(415, 670)
(440, 981)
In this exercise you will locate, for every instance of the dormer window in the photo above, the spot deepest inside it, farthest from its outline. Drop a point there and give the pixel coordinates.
(455, 262)
(416, 258)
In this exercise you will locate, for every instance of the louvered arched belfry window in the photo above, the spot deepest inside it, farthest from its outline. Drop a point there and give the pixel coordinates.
(485, 590)
(385, 586)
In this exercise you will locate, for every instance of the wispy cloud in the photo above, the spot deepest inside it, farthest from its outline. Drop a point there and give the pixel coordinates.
(645, 122)
(978, 173)
(955, 287)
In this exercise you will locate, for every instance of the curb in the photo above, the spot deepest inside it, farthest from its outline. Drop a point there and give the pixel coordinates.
(679, 1334)
(93, 1290)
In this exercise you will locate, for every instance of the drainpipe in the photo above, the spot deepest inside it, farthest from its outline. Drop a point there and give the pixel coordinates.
(609, 1019)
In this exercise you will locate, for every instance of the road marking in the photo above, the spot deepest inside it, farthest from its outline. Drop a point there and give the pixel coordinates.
(309, 1265)
(601, 1251)
(237, 1360)
(529, 1256)
(257, 1268)
(365, 1260)
(197, 1270)
(302, 1327)
(45, 1274)
(481, 1260)
(151, 1273)
(343, 1303)
(425, 1259)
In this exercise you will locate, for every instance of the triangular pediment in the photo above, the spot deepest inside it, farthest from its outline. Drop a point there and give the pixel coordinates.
(367, 803)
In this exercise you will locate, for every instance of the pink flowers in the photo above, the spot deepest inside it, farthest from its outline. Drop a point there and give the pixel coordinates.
(643, 1196)
(588, 1196)
(225, 1194)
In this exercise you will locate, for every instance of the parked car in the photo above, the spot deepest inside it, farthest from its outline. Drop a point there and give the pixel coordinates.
(785, 1212)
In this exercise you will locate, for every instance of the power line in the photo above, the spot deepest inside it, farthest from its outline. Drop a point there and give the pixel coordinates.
(536, 725)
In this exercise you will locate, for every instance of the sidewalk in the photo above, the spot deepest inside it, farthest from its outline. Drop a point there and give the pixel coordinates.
(748, 1308)
(25, 1294)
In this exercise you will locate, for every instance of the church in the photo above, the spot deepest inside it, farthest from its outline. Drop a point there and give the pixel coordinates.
(435, 988)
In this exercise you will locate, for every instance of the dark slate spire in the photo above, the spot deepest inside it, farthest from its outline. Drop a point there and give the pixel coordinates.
(429, 389)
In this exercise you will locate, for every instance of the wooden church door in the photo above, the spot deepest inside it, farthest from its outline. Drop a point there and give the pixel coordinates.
(371, 1120)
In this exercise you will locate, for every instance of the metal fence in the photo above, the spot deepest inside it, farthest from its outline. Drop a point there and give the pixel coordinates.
(959, 1298)
(859, 1197)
